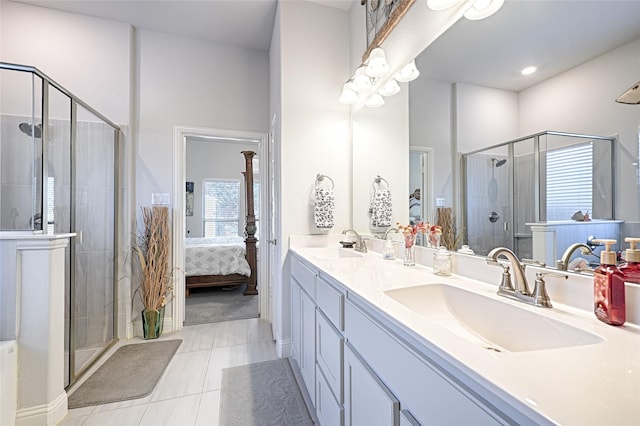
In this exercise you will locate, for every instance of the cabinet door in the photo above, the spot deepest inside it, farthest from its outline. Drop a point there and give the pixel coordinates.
(308, 343)
(329, 353)
(367, 401)
(296, 321)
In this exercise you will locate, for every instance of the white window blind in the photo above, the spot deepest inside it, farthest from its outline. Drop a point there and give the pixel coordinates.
(221, 207)
(569, 181)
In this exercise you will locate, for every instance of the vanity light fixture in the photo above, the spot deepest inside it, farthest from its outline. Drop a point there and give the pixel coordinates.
(376, 64)
(481, 9)
(361, 82)
(365, 84)
(390, 88)
(348, 96)
(374, 101)
(408, 73)
(476, 9)
(631, 96)
(529, 70)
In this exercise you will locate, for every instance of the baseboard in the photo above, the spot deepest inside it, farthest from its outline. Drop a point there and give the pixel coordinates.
(46, 414)
(283, 348)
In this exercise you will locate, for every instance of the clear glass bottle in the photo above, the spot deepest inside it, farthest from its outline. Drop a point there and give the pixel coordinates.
(442, 262)
(388, 250)
(608, 288)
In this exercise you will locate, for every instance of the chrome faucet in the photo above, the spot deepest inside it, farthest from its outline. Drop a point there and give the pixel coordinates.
(537, 297)
(563, 263)
(388, 231)
(360, 244)
(522, 286)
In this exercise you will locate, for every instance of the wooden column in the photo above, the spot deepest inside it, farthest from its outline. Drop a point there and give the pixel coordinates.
(250, 228)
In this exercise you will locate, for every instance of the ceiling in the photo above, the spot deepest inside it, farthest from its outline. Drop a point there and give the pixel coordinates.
(244, 23)
(553, 35)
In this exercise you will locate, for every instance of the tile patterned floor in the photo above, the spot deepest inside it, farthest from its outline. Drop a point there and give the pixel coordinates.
(188, 393)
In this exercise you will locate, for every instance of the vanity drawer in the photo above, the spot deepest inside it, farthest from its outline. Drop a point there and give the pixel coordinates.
(304, 276)
(409, 376)
(329, 354)
(328, 410)
(331, 302)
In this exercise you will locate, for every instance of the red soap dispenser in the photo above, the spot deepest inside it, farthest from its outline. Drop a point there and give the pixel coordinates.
(608, 287)
(631, 268)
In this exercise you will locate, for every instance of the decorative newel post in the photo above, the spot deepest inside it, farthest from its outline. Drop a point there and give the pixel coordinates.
(250, 228)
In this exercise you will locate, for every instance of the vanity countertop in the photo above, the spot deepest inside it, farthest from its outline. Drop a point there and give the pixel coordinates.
(593, 384)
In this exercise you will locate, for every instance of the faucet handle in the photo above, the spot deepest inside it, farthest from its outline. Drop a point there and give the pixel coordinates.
(540, 296)
(505, 285)
(533, 262)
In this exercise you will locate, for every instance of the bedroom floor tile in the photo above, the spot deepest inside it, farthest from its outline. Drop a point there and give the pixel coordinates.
(188, 392)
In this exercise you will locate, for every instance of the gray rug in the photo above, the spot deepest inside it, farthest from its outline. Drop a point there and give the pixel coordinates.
(216, 304)
(264, 393)
(131, 372)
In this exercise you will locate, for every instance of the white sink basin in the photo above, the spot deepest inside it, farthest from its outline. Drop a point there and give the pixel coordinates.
(333, 253)
(496, 325)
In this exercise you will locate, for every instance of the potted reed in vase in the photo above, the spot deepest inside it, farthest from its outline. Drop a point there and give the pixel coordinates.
(152, 249)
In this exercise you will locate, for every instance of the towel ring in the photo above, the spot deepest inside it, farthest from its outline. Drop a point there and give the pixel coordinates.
(378, 181)
(320, 178)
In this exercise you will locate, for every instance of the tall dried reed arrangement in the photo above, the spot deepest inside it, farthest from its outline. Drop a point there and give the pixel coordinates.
(446, 220)
(152, 249)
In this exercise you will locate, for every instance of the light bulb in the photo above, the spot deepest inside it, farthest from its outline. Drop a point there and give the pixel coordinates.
(481, 9)
(408, 73)
(377, 65)
(390, 88)
(361, 81)
(528, 70)
(348, 96)
(375, 101)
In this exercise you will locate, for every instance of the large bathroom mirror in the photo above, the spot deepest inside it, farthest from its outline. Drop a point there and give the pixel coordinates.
(471, 95)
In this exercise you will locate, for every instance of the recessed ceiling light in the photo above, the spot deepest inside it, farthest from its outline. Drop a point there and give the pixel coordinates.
(528, 70)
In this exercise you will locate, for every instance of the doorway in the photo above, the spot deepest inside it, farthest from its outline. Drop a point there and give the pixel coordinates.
(185, 227)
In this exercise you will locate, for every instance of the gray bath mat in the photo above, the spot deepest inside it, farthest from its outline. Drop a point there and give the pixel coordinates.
(265, 393)
(131, 372)
(216, 304)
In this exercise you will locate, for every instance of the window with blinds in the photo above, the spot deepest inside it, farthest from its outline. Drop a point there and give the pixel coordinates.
(569, 181)
(221, 207)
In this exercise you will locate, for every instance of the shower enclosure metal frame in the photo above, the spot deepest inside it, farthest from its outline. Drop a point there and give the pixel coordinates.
(47, 83)
(540, 214)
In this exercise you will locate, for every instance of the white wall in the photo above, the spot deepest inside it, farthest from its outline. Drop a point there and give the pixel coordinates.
(484, 116)
(214, 159)
(581, 100)
(430, 126)
(381, 147)
(314, 127)
(88, 56)
(190, 82)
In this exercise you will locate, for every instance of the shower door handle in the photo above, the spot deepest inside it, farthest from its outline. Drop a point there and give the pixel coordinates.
(506, 226)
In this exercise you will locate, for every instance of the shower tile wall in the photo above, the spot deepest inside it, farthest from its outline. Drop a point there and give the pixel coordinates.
(16, 179)
(481, 202)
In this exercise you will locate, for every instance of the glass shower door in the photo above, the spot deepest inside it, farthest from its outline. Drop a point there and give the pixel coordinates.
(94, 248)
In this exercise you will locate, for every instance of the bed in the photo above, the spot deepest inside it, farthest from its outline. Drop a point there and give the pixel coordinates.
(225, 261)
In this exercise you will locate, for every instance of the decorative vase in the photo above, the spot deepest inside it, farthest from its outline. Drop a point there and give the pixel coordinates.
(152, 323)
(409, 253)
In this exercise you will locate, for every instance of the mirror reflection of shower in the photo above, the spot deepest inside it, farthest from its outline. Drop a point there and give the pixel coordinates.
(31, 130)
(492, 191)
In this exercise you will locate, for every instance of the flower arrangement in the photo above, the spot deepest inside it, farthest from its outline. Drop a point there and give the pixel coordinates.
(410, 231)
(152, 248)
(435, 232)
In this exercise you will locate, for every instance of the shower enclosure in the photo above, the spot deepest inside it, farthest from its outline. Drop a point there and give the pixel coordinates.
(58, 174)
(543, 178)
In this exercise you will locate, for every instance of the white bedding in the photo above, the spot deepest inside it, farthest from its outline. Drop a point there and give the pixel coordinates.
(215, 256)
